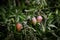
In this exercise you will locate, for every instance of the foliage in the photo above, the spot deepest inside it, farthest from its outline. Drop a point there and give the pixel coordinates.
(22, 11)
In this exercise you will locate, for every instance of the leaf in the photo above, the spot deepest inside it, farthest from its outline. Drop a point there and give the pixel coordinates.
(51, 25)
(56, 11)
(43, 28)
